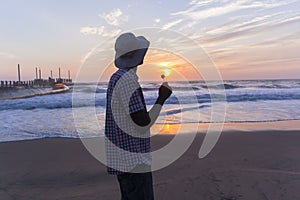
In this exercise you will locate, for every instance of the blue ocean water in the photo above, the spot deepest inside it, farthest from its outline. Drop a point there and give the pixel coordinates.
(52, 115)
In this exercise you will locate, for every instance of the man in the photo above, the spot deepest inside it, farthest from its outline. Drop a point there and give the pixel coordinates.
(128, 122)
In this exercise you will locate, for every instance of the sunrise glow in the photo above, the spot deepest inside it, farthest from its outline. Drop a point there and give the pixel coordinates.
(244, 39)
(164, 64)
(167, 72)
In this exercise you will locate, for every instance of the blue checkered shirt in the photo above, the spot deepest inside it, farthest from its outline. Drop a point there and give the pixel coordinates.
(125, 148)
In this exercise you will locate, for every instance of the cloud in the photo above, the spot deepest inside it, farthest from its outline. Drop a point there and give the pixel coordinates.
(171, 24)
(264, 64)
(114, 17)
(113, 20)
(90, 30)
(234, 26)
(199, 12)
(209, 12)
(7, 55)
(215, 11)
(290, 38)
(242, 33)
(199, 3)
(234, 34)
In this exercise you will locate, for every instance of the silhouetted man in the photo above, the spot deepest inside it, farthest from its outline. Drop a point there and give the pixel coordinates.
(127, 125)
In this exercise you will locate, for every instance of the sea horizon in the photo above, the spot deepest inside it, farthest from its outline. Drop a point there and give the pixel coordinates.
(52, 115)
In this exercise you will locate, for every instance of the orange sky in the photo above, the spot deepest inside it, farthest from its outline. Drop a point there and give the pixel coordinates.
(157, 63)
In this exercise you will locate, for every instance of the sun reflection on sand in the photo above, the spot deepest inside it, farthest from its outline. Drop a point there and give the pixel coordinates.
(165, 128)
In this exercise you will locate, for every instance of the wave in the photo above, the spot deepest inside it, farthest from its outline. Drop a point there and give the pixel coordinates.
(236, 91)
(195, 88)
(228, 86)
(91, 90)
(35, 103)
(206, 98)
(174, 88)
(225, 86)
(179, 110)
(275, 86)
(65, 100)
(222, 86)
(197, 85)
(262, 97)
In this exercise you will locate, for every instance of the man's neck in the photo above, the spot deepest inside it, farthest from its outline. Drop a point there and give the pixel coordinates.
(134, 69)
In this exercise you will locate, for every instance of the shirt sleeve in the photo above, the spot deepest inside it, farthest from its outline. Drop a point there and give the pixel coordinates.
(131, 96)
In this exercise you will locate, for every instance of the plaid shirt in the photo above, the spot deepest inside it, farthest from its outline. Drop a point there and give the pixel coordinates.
(125, 146)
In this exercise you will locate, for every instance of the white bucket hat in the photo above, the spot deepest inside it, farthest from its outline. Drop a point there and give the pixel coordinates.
(130, 50)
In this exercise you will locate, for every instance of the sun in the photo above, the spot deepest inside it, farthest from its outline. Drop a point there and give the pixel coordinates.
(165, 68)
(167, 72)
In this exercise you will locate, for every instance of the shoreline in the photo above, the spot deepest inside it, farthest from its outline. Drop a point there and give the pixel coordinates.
(288, 125)
(171, 129)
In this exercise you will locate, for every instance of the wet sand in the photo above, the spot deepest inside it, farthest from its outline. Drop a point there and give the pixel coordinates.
(256, 164)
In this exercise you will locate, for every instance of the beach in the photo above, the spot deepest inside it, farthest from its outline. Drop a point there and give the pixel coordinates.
(217, 81)
(245, 164)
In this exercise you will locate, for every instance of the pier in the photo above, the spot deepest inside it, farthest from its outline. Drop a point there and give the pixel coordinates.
(38, 82)
(38, 86)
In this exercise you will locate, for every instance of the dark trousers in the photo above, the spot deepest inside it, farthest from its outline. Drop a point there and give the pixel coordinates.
(136, 186)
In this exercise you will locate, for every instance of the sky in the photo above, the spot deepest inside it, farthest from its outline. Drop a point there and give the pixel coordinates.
(244, 39)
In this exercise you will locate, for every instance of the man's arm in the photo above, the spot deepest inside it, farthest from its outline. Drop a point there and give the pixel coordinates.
(146, 119)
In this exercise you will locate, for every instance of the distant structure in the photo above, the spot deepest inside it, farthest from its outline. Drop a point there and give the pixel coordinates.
(38, 82)
(19, 73)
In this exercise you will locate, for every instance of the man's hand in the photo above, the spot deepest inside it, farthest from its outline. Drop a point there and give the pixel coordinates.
(145, 119)
(164, 93)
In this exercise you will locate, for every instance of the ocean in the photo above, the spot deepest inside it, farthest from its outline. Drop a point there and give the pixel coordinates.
(52, 115)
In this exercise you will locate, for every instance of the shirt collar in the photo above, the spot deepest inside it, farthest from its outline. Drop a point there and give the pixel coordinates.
(130, 72)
